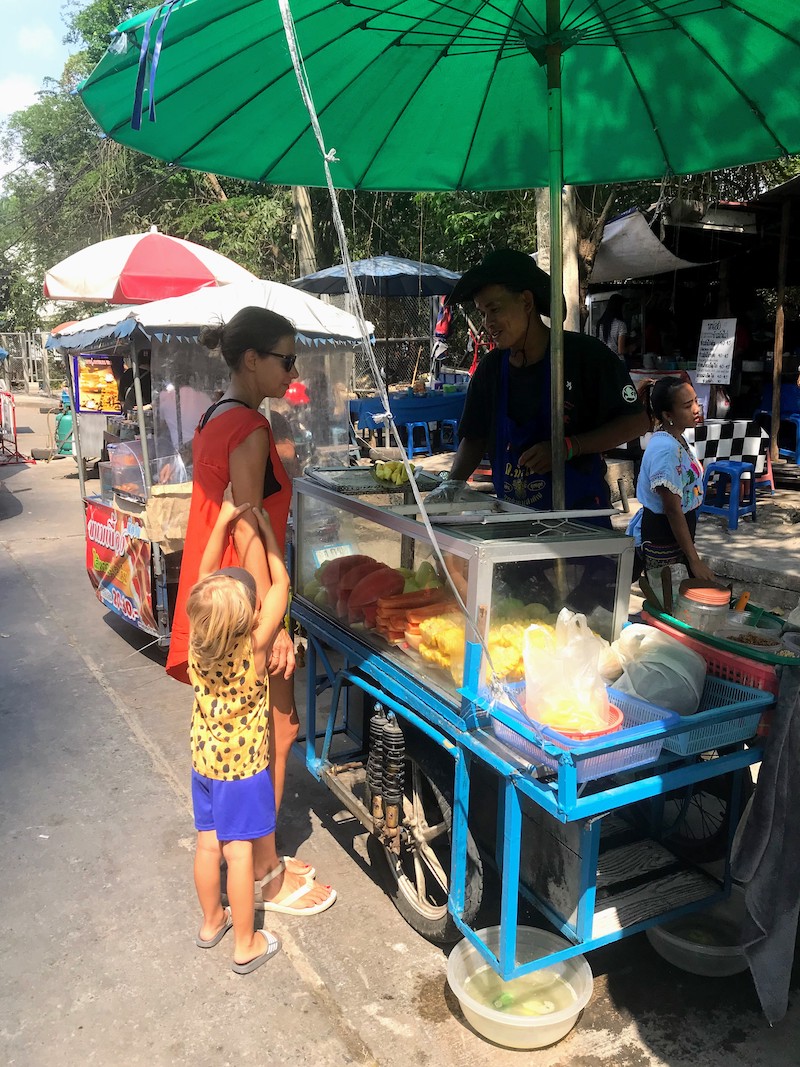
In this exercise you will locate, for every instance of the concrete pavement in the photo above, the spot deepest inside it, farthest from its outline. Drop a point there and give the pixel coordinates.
(99, 963)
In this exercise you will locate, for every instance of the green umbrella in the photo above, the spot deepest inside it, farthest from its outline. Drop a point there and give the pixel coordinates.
(452, 94)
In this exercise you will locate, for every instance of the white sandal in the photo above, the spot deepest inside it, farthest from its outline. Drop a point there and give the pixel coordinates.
(300, 867)
(283, 907)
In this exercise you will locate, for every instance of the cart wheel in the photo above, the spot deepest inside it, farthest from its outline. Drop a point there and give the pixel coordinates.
(418, 878)
(697, 818)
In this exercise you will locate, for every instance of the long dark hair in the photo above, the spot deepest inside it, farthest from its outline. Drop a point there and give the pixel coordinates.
(252, 327)
(613, 311)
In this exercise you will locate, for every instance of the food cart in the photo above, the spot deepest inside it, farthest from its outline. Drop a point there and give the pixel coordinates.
(435, 756)
(141, 446)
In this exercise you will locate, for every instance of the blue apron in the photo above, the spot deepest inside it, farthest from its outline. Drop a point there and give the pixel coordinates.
(584, 481)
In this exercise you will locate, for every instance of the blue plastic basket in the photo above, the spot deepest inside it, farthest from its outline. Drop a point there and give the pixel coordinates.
(743, 707)
(645, 746)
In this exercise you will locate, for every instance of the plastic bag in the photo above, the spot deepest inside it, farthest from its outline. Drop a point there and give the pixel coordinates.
(649, 664)
(563, 685)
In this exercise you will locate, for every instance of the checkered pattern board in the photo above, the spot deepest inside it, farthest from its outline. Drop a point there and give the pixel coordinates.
(739, 440)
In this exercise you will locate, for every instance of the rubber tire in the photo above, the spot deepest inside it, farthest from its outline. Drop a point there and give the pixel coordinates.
(706, 805)
(440, 928)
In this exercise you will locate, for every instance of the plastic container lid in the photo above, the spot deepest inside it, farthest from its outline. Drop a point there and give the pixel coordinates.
(710, 596)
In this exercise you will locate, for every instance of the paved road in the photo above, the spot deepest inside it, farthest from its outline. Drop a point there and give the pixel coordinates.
(99, 964)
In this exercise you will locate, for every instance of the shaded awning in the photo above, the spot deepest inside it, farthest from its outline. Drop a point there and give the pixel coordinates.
(630, 249)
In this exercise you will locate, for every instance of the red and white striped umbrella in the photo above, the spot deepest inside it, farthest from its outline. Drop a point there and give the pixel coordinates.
(140, 268)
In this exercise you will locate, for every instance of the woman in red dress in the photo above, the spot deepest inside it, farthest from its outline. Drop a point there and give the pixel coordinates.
(234, 444)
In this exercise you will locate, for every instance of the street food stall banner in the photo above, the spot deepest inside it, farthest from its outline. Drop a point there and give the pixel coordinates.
(96, 384)
(118, 563)
(715, 351)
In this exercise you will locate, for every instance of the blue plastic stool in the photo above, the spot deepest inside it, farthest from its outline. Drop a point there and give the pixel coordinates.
(792, 453)
(414, 449)
(730, 507)
(449, 443)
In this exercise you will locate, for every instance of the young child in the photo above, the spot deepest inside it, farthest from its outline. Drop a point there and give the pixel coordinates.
(234, 805)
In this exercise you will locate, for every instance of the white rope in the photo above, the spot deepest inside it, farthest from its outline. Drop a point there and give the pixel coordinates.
(329, 156)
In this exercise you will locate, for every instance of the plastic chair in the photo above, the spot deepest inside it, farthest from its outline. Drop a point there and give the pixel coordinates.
(792, 453)
(730, 506)
(449, 441)
(414, 449)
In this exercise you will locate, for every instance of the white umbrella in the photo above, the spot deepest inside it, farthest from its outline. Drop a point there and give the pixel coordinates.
(139, 268)
(184, 316)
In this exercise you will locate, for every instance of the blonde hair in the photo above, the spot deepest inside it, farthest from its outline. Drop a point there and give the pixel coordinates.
(221, 612)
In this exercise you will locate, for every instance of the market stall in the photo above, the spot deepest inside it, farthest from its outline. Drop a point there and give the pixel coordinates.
(139, 381)
(453, 772)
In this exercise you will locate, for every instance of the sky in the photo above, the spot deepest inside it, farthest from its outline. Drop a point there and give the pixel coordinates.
(33, 33)
(33, 49)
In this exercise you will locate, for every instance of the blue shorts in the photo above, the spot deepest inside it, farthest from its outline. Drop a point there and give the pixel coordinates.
(236, 811)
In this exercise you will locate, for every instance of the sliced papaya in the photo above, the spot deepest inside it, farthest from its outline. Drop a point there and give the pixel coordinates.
(415, 599)
(441, 607)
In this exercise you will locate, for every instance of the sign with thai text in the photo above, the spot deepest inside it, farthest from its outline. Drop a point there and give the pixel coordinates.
(118, 562)
(715, 351)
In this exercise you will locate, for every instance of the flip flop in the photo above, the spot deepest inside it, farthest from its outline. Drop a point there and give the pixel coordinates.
(309, 876)
(218, 936)
(273, 946)
(296, 866)
(283, 907)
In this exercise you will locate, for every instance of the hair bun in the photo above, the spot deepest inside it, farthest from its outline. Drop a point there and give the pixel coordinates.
(211, 336)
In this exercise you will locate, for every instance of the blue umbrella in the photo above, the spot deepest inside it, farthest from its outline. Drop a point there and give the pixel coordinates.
(383, 276)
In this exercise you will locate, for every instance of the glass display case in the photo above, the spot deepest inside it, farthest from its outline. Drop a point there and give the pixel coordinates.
(368, 563)
(127, 469)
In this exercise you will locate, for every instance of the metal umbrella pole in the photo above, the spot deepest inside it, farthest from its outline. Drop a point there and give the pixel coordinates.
(556, 182)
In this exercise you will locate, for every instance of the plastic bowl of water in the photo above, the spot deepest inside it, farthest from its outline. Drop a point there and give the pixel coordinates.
(535, 1010)
(705, 942)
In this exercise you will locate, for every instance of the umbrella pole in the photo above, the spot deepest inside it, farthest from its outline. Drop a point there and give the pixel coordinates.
(556, 182)
(137, 390)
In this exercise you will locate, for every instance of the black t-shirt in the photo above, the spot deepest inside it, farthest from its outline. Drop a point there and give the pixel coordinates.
(597, 389)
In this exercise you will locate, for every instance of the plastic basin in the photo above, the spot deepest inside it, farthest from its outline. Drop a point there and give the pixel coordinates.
(478, 987)
(705, 942)
(614, 720)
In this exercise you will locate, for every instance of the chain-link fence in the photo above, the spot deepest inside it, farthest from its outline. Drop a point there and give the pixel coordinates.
(403, 340)
(27, 366)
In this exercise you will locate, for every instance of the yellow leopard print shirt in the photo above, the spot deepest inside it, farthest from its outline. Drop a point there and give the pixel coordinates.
(230, 728)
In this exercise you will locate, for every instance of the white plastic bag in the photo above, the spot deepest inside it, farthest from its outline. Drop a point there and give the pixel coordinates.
(657, 668)
(563, 685)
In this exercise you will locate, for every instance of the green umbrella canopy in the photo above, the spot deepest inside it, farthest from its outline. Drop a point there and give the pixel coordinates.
(427, 95)
(458, 94)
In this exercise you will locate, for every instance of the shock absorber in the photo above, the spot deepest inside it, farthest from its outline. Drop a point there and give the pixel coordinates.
(394, 754)
(375, 764)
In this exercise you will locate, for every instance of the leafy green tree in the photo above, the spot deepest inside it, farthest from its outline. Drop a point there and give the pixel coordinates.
(90, 25)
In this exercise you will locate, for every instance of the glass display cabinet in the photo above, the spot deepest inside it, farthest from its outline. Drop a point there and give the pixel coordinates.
(365, 559)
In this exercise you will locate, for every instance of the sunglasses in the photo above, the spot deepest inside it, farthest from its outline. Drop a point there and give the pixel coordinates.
(288, 361)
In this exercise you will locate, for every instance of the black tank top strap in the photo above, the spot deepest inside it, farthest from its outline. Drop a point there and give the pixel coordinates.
(219, 403)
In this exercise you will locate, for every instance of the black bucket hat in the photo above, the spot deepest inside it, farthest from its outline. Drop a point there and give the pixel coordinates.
(505, 266)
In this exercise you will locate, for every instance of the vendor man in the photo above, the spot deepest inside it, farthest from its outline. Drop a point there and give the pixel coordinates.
(507, 408)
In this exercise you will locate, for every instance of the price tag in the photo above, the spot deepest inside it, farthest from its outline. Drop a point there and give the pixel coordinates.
(327, 552)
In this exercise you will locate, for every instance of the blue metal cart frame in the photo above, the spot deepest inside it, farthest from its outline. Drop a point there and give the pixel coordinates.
(463, 733)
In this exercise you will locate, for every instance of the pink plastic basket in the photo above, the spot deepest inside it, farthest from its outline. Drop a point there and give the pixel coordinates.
(724, 664)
